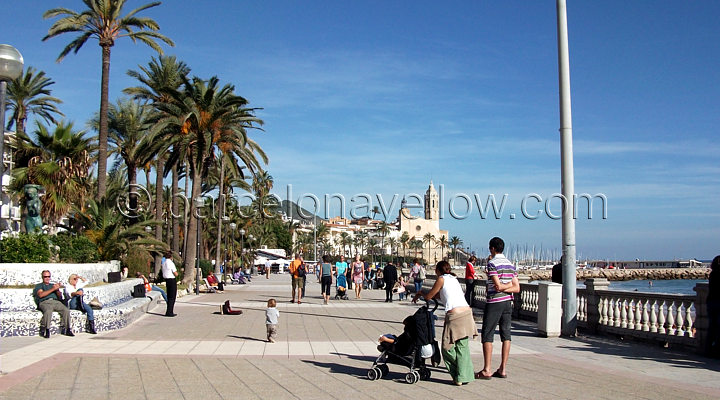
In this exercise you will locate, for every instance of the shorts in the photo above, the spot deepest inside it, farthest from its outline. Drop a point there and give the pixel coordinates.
(494, 314)
(297, 282)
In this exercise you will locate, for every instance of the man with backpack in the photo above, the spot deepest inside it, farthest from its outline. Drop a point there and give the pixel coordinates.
(298, 270)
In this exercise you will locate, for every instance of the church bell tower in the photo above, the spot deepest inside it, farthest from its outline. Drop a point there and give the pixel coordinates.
(432, 205)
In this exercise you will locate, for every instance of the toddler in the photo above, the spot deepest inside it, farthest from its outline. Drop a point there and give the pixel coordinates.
(271, 319)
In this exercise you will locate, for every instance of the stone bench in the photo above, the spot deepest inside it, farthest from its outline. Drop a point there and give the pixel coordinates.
(19, 316)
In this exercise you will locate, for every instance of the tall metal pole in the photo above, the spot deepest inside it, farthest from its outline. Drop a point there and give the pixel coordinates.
(315, 239)
(3, 91)
(569, 318)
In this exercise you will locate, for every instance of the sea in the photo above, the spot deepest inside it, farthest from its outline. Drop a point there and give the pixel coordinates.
(669, 286)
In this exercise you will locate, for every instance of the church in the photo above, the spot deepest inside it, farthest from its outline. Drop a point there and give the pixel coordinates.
(417, 227)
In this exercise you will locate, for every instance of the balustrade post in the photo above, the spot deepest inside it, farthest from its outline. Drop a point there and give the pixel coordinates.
(592, 285)
(549, 309)
(701, 318)
(518, 297)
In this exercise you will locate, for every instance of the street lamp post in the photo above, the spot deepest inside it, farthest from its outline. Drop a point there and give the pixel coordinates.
(232, 245)
(250, 240)
(242, 247)
(226, 222)
(11, 66)
(198, 203)
(569, 315)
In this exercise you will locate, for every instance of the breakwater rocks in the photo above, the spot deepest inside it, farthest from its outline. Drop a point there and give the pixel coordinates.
(628, 274)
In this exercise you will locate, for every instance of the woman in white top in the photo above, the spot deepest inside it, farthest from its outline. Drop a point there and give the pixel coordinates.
(74, 291)
(459, 323)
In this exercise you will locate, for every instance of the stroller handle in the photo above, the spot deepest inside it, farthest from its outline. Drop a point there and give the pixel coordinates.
(427, 303)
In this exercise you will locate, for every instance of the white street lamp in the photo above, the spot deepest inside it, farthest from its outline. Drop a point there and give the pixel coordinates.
(11, 66)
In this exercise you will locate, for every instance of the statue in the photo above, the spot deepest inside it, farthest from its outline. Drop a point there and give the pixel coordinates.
(33, 221)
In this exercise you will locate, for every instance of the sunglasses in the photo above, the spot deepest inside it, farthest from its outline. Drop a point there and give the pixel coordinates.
(46, 276)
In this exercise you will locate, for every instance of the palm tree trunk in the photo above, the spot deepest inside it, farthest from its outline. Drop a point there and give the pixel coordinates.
(132, 185)
(192, 238)
(103, 133)
(175, 212)
(159, 172)
(188, 207)
(221, 213)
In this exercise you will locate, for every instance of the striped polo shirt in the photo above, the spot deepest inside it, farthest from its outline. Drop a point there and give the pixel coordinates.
(502, 268)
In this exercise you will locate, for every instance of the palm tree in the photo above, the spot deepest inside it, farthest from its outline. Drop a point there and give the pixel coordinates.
(161, 76)
(404, 242)
(443, 244)
(416, 245)
(30, 94)
(102, 21)
(393, 245)
(208, 116)
(60, 162)
(429, 238)
(455, 242)
(127, 126)
(384, 229)
(345, 239)
(106, 228)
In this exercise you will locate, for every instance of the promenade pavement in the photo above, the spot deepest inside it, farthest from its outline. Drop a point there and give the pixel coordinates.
(322, 352)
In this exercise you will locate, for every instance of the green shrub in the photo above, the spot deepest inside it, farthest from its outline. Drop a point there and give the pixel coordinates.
(75, 249)
(138, 260)
(206, 267)
(25, 249)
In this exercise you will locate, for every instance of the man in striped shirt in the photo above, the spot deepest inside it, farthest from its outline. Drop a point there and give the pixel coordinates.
(502, 282)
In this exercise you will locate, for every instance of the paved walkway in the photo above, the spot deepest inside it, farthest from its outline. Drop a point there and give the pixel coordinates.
(323, 351)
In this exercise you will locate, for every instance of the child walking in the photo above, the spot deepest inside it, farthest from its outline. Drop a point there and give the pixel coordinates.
(271, 319)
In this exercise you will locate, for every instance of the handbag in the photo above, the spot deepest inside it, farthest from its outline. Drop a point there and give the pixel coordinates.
(95, 304)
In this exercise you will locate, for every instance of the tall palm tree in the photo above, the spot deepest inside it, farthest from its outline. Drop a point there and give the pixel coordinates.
(455, 242)
(127, 126)
(416, 245)
(404, 242)
(383, 229)
(102, 21)
(30, 94)
(393, 245)
(429, 238)
(58, 160)
(345, 239)
(443, 242)
(161, 76)
(209, 116)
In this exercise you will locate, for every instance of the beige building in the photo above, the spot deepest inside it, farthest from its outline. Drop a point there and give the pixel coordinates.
(417, 227)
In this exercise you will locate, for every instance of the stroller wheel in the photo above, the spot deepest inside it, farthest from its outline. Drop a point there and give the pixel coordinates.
(374, 373)
(384, 369)
(411, 378)
(424, 374)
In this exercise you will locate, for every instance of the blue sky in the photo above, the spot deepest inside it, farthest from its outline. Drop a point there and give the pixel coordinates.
(381, 97)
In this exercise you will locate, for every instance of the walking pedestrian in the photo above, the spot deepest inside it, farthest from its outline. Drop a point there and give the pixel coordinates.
(325, 278)
(417, 275)
(358, 273)
(271, 320)
(389, 277)
(459, 324)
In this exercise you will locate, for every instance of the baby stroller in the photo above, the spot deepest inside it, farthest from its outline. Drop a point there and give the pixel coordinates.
(411, 348)
(341, 288)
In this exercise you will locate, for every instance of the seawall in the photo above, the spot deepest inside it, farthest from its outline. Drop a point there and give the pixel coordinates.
(628, 274)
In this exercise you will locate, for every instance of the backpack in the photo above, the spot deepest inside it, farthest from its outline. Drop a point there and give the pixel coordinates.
(301, 270)
(421, 273)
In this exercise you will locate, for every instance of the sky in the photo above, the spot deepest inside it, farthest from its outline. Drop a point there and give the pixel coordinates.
(381, 98)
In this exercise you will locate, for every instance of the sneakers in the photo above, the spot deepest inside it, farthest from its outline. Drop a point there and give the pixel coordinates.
(271, 340)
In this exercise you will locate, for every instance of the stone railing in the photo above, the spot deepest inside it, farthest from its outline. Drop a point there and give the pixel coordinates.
(664, 318)
(659, 317)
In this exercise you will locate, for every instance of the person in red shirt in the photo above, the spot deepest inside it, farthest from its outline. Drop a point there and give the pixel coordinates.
(470, 279)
